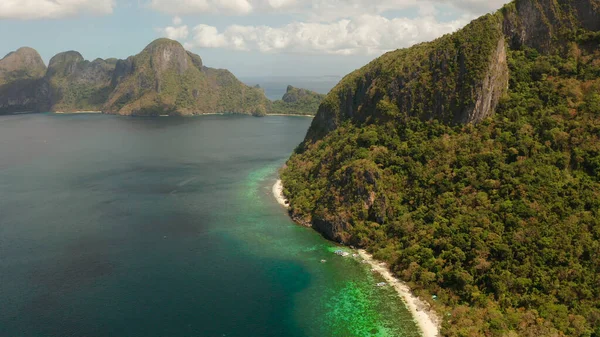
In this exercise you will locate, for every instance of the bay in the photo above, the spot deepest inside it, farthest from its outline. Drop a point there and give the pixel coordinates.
(116, 226)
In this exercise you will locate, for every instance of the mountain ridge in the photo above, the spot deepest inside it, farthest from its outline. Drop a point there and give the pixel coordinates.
(163, 78)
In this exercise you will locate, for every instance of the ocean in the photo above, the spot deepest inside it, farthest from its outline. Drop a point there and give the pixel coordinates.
(167, 227)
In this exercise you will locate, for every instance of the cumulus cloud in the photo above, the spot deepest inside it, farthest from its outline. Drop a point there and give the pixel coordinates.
(341, 27)
(178, 7)
(52, 9)
(317, 10)
(176, 33)
(368, 34)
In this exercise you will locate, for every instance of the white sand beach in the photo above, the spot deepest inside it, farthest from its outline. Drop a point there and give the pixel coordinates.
(427, 320)
(78, 112)
(296, 115)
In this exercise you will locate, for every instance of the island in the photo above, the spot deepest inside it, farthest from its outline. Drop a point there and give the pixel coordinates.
(471, 166)
(297, 101)
(163, 79)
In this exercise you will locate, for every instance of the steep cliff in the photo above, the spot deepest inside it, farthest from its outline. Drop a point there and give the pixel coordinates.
(298, 101)
(23, 64)
(21, 84)
(76, 84)
(458, 78)
(471, 164)
(163, 79)
(548, 25)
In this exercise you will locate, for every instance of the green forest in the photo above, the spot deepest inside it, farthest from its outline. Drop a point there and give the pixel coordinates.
(500, 219)
(298, 101)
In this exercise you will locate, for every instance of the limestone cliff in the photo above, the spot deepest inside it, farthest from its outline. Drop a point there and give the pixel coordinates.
(546, 25)
(76, 84)
(22, 64)
(458, 78)
(21, 86)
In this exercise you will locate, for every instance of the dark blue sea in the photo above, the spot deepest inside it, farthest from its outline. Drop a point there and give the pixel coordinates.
(167, 227)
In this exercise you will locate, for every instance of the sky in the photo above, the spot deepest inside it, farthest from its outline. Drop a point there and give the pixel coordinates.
(251, 38)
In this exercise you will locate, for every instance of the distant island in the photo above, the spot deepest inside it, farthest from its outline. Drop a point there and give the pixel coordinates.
(298, 102)
(471, 166)
(163, 79)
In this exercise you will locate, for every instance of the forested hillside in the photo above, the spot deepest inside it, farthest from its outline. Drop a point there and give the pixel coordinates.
(498, 216)
(298, 101)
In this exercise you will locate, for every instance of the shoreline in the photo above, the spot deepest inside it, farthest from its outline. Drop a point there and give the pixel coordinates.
(77, 112)
(427, 320)
(295, 115)
(278, 194)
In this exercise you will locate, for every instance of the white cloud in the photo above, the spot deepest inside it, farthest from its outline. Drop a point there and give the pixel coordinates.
(317, 10)
(282, 4)
(177, 7)
(339, 27)
(177, 21)
(365, 34)
(176, 33)
(44, 9)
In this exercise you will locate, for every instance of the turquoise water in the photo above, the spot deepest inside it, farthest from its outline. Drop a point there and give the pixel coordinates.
(114, 226)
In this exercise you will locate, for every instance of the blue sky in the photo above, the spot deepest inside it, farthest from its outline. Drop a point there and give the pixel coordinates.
(248, 37)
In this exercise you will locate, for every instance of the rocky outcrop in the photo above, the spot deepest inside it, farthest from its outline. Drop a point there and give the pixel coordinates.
(24, 96)
(23, 64)
(492, 88)
(545, 24)
(22, 88)
(77, 84)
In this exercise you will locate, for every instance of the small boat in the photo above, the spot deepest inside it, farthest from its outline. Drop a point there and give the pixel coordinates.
(323, 261)
(381, 284)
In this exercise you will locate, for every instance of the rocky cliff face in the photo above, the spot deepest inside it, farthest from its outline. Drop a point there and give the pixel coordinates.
(545, 25)
(22, 64)
(77, 84)
(166, 79)
(458, 78)
(163, 79)
(21, 86)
